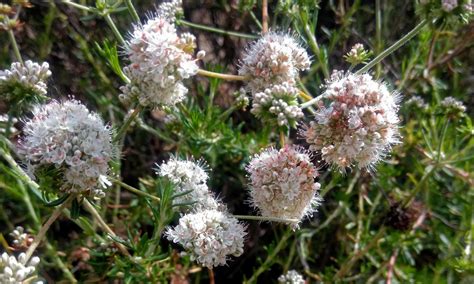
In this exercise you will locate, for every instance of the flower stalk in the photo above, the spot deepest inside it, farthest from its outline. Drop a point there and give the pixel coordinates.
(227, 77)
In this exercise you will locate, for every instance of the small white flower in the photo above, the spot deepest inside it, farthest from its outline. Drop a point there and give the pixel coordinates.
(170, 10)
(209, 237)
(278, 104)
(357, 125)
(291, 277)
(417, 102)
(188, 176)
(160, 60)
(4, 124)
(453, 105)
(282, 183)
(71, 138)
(274, 59)
(15, 270)
(30, 75)
(449, 5)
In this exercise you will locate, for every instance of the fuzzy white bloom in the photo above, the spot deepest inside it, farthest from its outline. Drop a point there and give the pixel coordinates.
(453, 105)
(209, 237)
(71, 138)
(417, 102)
(30, 75)
(277, 103)
(188, 176)
(169, 10)
(282, 183)
(449, 5)
(274, 59)
(291, 277)
(15, 270)
(359, 123)
(160, 60)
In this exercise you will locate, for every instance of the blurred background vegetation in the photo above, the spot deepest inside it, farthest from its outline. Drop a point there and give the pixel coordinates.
(412, 221)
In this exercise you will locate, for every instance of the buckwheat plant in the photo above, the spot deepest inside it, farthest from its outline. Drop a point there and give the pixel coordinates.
(68, 137)
(209, 237)
(274, 59)
(356, 123)
(282, 183)
(160, 59)
(15, 270)
(190, 180)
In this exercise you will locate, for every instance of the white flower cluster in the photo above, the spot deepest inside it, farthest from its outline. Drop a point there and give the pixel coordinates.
(188, 176)
(357, 54)
(30, 75)
(20, 238)
(278, 101)
(358, 125)
(282, 183)
(209, 236)
(4, 124)
(417, 102)
(453, 105)
(169, 10)
(274, 59)
(291, 277)
(15, 271)
(160, 60)
(272, 65)
(66, 135)
(449, 5)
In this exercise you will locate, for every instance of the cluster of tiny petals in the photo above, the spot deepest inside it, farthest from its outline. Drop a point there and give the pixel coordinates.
(189, 176)
(274, 59)
(20, 237)
(30, 75)
(4, 124)
(291, 277)
(453, 105)
(15, 270)
(282, 183)
(358, 124)
(209, 236)
(449, 5)
(71, 138)
(278, 102)
(160, 60)
(170, 9)
(417, 102)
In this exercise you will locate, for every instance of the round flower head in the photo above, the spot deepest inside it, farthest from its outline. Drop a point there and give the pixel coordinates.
(278, 104)
(15, 271)
(209, 237)
(274, 59)
(359, 123)
(188, 176)
(24, 84)
(291, 277)
(70, 138)
(448, 13)
(282, 183)
(160, 60)
(453, 106)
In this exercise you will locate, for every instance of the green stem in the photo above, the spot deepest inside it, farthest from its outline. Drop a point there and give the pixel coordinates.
(393, 48)
(378, 33)
(76, 5)
(227, 77)
(313, 43)
(42, 232)
(133, 189)
(270, 258)
(216, 30)
(132, 10)
(122, 130)
(112, 25)
(263, 218)
(417, 188)
(16, 50)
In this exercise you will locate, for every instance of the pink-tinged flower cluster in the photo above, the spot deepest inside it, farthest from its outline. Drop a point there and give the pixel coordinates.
(356, 122)
(282, 183)
(69, 137)
(209, 236)
(160, 60)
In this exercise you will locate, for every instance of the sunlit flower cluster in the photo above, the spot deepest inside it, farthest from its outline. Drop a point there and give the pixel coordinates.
(170, 10)
(453, 105)
(69, 137)
(15, 270)
(190, 177)
(417, 102)
(160, 60)
(291, 277)
(356, 121)
(282, 183)
(280, 102)
(209, 236)
(20, 237)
